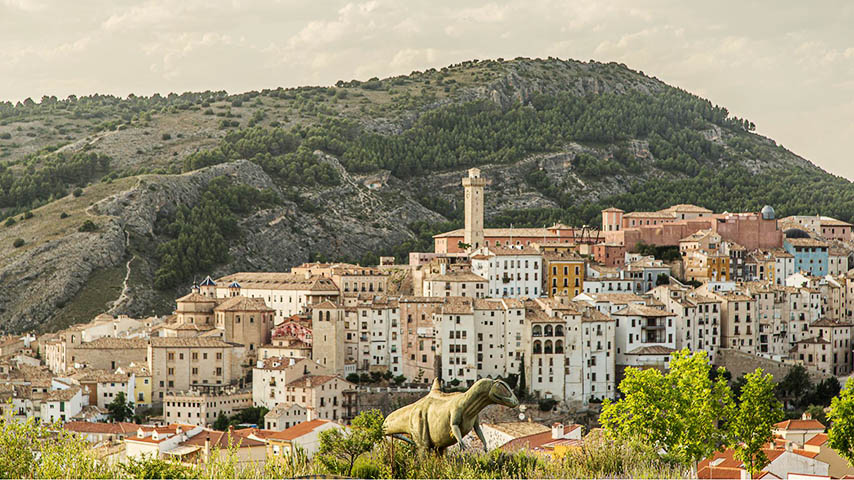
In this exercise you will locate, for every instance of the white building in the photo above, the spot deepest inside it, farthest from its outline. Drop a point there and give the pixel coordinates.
(511, 271)
(286, 293)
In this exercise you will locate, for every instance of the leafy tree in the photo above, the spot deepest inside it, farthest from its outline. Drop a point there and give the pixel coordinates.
(339, 450)
(221, 423)
(77, 192)
(795, 386)
(751, 422)
(399, 380)
(353, 378)
(817, 413)
(678, 412)
(841, 415)
(825, 391)
(120, 409)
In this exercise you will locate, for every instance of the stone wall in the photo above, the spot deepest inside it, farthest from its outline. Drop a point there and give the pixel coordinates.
(740, 363)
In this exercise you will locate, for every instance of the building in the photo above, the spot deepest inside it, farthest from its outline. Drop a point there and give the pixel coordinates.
(183, 364)
(564, 274)
(286, 415)
(645, 336)
(270, 378)
(328, 396)
(202, 407)
(811, 255)
(286, 293)
(513, 272)
(455, 284)
(473, 237)
(304, 436)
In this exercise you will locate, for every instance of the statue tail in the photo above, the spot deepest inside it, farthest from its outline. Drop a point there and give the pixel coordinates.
(436, 387)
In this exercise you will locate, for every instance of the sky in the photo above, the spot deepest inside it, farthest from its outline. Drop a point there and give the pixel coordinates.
(786, 65)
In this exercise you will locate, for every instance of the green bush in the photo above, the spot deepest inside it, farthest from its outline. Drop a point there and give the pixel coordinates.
(77, 192)
(19, 242)
(28, 215)
(166, 136)
(88, 226)
(10, 221)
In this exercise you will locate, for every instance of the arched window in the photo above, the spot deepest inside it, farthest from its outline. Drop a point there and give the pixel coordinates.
(548, 347)
(558, 346)
(538, 331)
(538, 348)
(547, 332)
(559, 331)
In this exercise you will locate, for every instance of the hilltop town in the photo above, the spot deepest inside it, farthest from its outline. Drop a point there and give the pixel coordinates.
(559, 313)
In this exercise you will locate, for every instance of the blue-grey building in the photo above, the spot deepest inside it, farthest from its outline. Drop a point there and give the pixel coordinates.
(811, 255)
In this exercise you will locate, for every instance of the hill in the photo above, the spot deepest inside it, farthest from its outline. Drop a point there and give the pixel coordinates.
(117, 204)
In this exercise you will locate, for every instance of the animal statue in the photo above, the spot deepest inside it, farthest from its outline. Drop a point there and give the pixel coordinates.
(439, 420)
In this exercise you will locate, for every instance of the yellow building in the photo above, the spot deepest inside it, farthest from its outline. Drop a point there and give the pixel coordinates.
(718, 267)
(564, 274)
(142, 384)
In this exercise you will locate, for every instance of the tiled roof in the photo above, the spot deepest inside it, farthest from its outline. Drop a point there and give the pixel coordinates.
(817, 440)
(280, 281)
(664, 215)
(299, 429)
(799, 424)
(651, 350)
(194, 297)
(805, 242)
(101, 427)
(519, 429)
(188, 342)
(105, 343)
(686, 208)
(314, 380)
(503, 232)
(456, 277)
(63, 395)
(642, 311)
(243, 304)
(223, 439)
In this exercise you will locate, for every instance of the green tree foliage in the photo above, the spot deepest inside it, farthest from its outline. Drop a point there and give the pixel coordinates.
(841, 415)
(678, 412)
(339, 450)
(201, 234)
(49, 177)
(120, 409)
(281, 154)
(751, 422)
(88, 226)
(18, 243)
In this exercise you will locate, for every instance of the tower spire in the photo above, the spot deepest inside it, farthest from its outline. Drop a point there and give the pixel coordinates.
(473, 185)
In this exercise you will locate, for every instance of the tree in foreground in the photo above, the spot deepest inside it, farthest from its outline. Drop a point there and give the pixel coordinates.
(752, 421)
(120, 410)
(841, 415)
(678, 412)
(340, 449)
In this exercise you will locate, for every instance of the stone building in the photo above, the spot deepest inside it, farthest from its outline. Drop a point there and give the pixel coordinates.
(270, 378)
(202, 407)
(329, 396)
(183, 364)
(286, 293)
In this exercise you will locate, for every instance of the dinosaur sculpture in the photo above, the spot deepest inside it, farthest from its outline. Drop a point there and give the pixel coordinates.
(439, 420)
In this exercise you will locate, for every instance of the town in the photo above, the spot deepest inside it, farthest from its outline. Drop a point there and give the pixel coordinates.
(559, 313)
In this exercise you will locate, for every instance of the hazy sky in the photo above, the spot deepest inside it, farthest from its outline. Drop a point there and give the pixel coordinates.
(786, 65)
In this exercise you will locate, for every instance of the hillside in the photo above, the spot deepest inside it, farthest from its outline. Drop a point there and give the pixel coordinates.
(179, 186)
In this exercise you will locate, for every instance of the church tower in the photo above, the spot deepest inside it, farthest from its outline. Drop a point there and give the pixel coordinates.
(473, 185)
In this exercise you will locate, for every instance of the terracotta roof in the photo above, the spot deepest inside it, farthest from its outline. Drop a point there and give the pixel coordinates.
(805, 453)
(519, 429)
(799, 425)
(817, 440)
(814, 340)
(456, 277)
(63, 395)
(686, 208)
(662, 214)
(315, 380)
(243, 304)
(534, 442)
(194, 297)
(833, 222)
(223, 439)
(101, 427)
(299, 429)
(503, 232)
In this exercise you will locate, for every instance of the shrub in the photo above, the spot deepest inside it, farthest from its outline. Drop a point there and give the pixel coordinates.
(5, 136)
(88, 226)
(19, 242)
(28, 214)
(10, 221)
(353, 378)
(547, 404)
(77, 192)
(166, 136)
(63, 215)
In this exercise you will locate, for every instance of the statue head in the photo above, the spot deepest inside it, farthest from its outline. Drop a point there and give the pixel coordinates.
(501, 394)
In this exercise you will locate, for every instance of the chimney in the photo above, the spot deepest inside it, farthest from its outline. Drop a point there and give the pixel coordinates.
(789, 446)
(207, 451)
(806, 416)
(309, 414)
(308, 381)
(557, 431)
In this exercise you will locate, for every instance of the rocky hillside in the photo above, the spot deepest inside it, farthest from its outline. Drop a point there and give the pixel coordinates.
(106, 200)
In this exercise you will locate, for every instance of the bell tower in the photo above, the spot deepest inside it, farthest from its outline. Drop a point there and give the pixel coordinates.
(473, 185)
